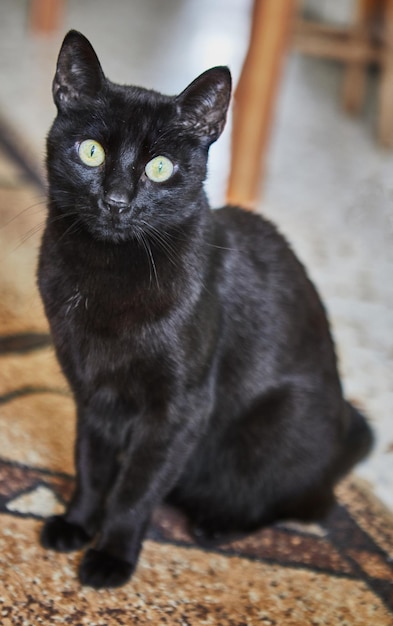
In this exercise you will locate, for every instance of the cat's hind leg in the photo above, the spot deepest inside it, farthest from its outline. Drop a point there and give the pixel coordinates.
(272, 463)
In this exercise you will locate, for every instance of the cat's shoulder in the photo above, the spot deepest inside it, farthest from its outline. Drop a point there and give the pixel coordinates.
(248, 224)
(247, 235)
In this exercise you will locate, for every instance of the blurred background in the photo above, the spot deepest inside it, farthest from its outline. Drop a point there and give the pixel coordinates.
(325, 176)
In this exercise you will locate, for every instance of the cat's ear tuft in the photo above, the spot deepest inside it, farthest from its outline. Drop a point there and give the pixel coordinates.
(78, 73)
(203, 105)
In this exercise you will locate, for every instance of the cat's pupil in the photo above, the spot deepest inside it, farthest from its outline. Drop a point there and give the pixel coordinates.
(92, 151)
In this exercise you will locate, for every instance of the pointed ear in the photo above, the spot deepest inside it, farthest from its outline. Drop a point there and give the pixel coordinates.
(78, 73)
(203, 106)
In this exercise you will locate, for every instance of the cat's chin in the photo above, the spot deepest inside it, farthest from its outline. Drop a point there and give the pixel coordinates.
(111, 235)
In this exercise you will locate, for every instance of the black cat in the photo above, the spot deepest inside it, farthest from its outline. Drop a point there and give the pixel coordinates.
(197, 349)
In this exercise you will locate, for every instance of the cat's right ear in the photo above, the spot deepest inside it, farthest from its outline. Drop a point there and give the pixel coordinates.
(78, 73)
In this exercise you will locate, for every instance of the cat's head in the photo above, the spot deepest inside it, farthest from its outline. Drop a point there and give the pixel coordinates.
(121, 158)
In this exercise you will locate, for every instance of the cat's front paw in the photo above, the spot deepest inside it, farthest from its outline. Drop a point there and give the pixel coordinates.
(58, 534)
(99, 570)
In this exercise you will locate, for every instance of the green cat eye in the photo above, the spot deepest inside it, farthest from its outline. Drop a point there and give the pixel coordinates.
(159, 169)
(91, 153)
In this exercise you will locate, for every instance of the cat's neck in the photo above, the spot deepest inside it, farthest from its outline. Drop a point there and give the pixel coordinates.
(141, 280)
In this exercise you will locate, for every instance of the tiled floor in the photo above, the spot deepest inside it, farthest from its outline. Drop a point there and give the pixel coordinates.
(329, 186)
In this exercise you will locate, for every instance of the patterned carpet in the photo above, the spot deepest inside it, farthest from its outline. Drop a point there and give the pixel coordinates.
(339, 573)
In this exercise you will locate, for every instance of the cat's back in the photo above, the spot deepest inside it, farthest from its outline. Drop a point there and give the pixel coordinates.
(267, 299)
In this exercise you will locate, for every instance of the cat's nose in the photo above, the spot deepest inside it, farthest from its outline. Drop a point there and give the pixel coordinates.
(116, 201)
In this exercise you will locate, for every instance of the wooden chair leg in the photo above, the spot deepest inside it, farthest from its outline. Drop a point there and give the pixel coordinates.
(385, 117)
(45, 15)
(255, 97)
(356, 72)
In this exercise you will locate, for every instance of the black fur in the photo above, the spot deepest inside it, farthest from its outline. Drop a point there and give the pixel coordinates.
(197, 349)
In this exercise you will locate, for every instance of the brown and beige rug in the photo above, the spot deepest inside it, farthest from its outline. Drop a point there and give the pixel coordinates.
(340, 573)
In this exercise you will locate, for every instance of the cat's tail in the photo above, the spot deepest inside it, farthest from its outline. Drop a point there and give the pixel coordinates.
(357, 442)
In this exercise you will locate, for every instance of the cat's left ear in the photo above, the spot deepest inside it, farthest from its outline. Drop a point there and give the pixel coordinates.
(203, 105)
(78, 72)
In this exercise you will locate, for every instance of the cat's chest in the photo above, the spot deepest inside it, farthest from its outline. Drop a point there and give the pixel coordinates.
(105, 330)
(86, 287)
(111, 318)
(102, 303)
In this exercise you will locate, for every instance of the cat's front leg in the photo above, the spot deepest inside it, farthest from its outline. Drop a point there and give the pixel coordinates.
(96, 467)
(149, 471)
(112, 565)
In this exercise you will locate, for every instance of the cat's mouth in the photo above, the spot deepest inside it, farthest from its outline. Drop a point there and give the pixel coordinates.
(114, 228)
(109, 228)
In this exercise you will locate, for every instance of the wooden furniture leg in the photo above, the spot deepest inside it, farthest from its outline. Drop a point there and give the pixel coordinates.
(355, 75)
(385, 117)
(45, 15)
(255, 98)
